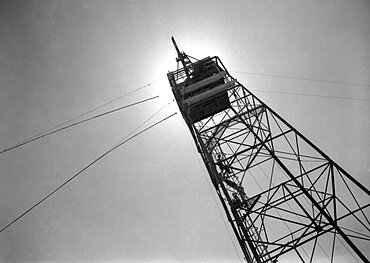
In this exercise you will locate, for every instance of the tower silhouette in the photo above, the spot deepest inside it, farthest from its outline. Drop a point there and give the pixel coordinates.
(285, 199)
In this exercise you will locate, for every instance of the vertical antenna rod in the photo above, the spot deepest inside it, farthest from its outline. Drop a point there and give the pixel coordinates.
(181, 56)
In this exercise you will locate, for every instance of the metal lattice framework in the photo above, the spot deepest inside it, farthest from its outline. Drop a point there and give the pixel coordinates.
(284, 197)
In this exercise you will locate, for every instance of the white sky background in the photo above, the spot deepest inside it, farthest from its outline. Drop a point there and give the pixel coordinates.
(149, 201)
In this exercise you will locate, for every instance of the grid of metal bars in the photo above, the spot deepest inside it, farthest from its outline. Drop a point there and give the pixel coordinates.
(285, 199)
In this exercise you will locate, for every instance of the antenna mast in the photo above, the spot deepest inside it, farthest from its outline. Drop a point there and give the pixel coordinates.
(181, 56)
(283, 196)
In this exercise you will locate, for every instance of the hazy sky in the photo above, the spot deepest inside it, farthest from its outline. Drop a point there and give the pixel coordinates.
(149, 201)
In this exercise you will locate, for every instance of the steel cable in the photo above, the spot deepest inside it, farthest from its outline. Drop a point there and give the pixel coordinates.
(89, 111)
(74, 124)
(82, 170)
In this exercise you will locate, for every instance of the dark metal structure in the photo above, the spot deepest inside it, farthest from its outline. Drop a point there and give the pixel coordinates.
(285, 199)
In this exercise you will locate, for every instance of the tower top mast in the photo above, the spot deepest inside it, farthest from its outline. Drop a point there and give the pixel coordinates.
(181, 56)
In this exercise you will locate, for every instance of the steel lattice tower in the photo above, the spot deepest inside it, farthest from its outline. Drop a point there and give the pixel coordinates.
(285, 199)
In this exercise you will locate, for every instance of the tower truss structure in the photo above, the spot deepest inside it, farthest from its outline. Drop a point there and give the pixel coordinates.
(285, 199)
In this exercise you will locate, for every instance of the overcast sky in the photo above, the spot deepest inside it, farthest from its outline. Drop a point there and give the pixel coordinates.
(149, 201)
